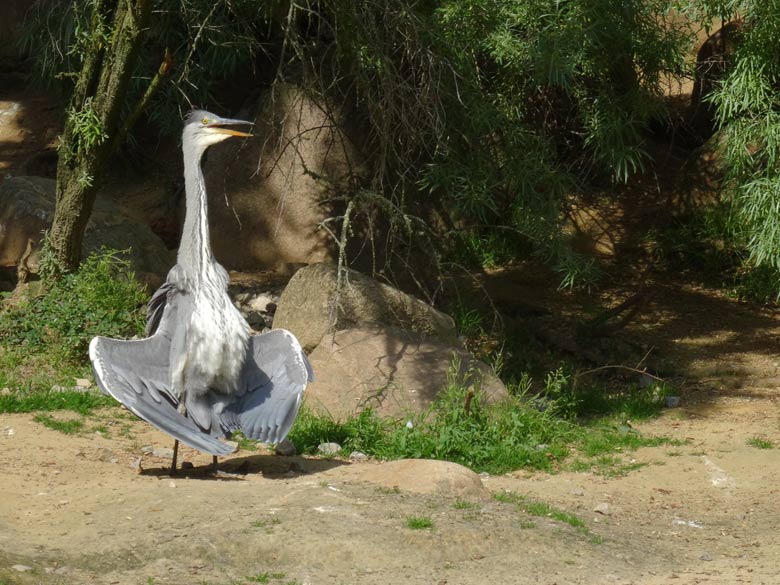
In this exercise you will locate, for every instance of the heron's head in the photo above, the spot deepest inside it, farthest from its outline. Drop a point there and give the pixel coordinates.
(202, 129)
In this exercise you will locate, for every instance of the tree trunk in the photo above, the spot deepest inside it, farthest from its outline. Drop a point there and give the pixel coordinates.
(93, 124)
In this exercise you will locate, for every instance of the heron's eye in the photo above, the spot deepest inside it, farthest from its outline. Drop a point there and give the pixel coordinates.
(205, 121)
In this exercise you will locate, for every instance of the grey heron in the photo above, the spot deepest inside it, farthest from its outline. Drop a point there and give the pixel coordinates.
(199, 375)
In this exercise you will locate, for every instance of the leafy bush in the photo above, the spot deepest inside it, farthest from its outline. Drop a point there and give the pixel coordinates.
(101, 298)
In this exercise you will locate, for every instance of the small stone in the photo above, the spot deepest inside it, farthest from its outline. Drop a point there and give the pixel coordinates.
(578, 492)
(187, 465)
(262, 301)
(103, 454)
(328, 448)
(162, 452)
(602, 508)
(705, 556)
(21, 568)
(147, 449)
(83, 383)
(672, 401)
(172, 484)
(484, 475)
(357, 456)
(135, 463)
(8, 431)
(286, 448)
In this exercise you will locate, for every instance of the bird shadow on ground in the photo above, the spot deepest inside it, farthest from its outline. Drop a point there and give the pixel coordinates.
(238, 468)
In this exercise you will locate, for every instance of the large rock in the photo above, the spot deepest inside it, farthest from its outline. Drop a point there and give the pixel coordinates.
(27, 208)
(267, 195)
(425, 476)
(310, 307)
(395, 372)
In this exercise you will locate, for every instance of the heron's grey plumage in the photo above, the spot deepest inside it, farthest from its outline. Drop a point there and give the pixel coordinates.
(199, 375)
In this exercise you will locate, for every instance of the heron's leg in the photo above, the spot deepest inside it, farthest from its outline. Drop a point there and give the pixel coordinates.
(182, 409)
(214, 464)
(175, 454)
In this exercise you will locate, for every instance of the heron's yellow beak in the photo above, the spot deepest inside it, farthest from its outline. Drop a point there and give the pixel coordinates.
(230, 132)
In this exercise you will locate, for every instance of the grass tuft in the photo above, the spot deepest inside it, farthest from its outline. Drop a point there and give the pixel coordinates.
(69, 427)
(419, 523)
(760, 443)
(541, 509)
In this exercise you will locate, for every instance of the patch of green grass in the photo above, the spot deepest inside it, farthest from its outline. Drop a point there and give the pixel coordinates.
(760, 443)
(69, 427)
(465, 505)
(606, 465)
(266, 523)
(46, 400)
(102, 429)
(468, 321)
(244, 443)
(461, 426)
(541, 509)
(419, 523)
(266, 577)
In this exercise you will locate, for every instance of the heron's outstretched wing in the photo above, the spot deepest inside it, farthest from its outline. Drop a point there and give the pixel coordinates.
(271, 387)
(136, 373)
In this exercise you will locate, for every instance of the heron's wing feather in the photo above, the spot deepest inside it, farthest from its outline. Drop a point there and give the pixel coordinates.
(137, 374)
(156, 306)
(271, 387)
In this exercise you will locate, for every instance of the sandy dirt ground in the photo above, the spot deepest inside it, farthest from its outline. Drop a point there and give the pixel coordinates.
(74, 509)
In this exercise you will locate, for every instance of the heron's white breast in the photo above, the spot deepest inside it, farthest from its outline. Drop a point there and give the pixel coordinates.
(216, 339)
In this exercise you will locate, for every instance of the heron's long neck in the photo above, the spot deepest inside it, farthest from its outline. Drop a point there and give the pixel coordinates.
(195, 248)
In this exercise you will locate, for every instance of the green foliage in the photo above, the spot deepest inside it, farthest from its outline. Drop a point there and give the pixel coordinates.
(713, 244)
(87, 129)
(211, 41)
(101, 298)
(493, 110)
(488, 248)
(749, 114)
(461, 426)
(467, 321)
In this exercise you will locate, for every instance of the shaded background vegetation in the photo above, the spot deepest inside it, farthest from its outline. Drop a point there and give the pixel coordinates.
(481, 120)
